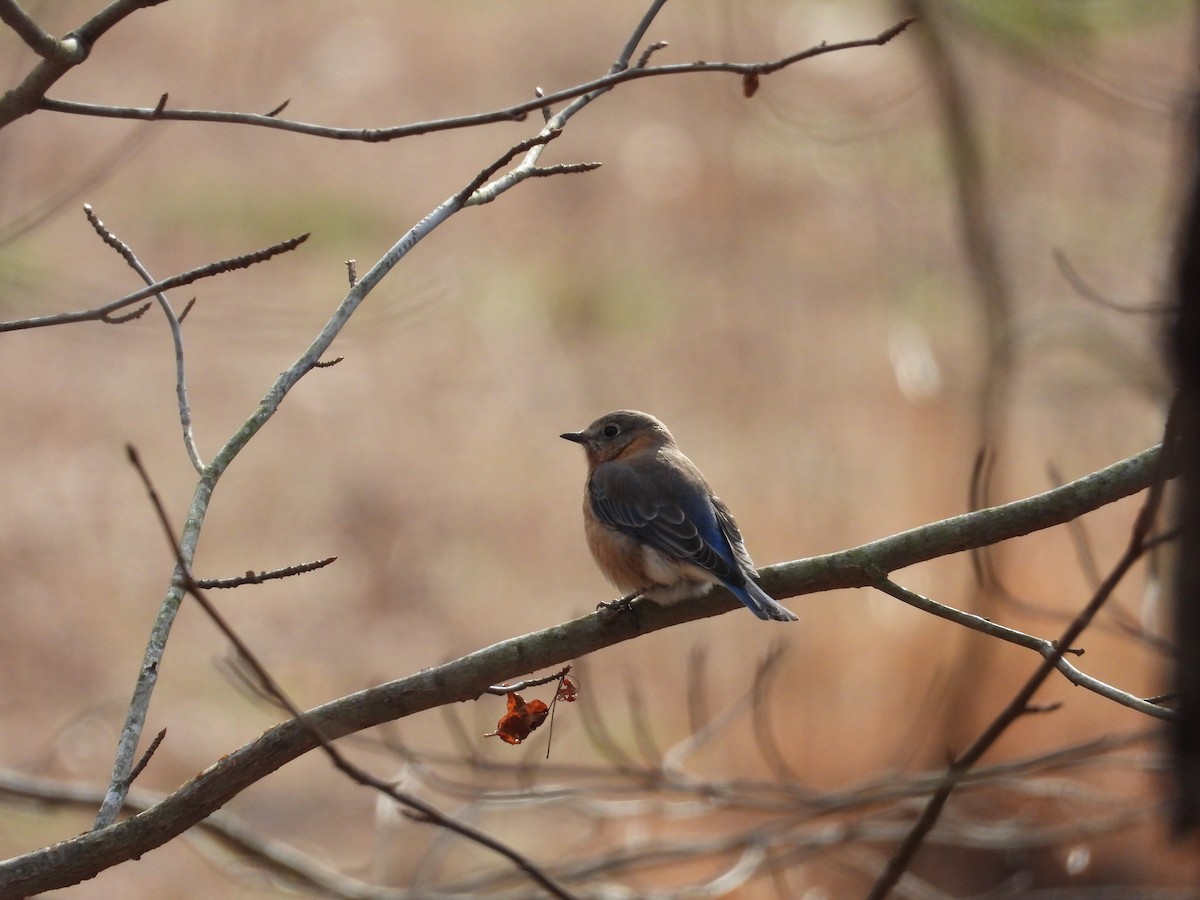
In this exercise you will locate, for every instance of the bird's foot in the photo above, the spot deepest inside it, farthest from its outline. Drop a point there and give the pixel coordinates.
(621, 605)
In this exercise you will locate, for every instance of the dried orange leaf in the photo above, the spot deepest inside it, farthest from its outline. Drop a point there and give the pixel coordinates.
(520, 720)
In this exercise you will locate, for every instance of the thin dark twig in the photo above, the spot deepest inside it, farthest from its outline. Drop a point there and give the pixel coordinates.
(650, 50)
(327, 363)
(563, 679)
(127, 317)
(422, 810)
(141, 763)
(205, 271)
(235, 671)
(260, 577)
(503, 689)
(512, 153)
(1021, 703)
(515, 113)
(639, 32)
(564, 169)
(1122, 621)
(1164, 537)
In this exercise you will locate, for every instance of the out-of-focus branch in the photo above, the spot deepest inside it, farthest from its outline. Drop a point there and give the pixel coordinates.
(979, 237)
(795, 817)
(228, 828)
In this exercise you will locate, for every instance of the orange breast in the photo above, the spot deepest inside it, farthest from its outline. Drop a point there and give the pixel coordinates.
(617, 555)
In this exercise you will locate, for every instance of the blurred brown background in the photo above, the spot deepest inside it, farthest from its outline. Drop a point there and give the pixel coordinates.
(782, 280)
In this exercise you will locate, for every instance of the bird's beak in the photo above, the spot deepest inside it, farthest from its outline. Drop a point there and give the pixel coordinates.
(576, 436)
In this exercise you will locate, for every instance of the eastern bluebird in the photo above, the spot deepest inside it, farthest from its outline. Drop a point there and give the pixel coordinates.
(652, 522)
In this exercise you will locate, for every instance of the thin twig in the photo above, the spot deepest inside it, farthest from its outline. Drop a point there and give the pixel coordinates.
(146, 757)
(1046, 648)
(514, 113)
(538, 140)
(524, 685)
(207, 270)
(639, 33)
(260, 577)
(181, 395)
(1120, 620)
(126, 317)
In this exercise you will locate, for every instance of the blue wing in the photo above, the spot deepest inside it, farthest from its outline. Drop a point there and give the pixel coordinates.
(672, 513)
(675, 513)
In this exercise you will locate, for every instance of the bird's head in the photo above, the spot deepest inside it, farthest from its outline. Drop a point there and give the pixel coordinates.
(621, 433)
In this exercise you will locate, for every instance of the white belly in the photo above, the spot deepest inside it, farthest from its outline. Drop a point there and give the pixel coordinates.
(673, 580)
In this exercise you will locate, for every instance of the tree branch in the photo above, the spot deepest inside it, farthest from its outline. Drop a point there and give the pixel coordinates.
(515, 113)
(472, 675)
(1020, 703)
(41, 42)
(65, 55)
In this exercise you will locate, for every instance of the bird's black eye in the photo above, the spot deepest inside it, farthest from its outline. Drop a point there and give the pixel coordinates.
(611, 430)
